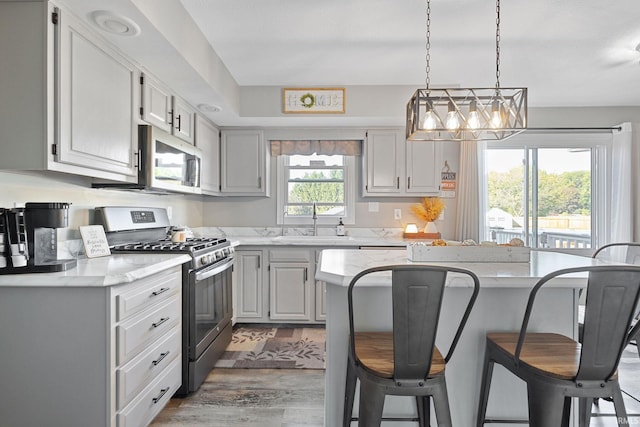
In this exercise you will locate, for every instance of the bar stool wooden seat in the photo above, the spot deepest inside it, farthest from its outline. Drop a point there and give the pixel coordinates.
(556, 367)
(405, 361)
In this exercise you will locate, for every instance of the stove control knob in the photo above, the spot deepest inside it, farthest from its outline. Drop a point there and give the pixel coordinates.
(206, 259)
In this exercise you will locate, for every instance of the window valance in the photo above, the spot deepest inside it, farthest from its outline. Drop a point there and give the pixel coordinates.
(322, 147)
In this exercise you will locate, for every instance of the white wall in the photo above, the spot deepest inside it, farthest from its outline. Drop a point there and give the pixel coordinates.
(21, 187)
(261, 212)
(199, 211)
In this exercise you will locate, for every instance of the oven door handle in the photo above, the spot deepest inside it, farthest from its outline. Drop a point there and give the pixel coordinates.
(212, 271)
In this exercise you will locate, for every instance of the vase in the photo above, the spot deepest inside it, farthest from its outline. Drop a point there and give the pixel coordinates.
(431, 228)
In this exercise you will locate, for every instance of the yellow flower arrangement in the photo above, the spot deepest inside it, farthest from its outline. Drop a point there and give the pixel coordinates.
(430, 208)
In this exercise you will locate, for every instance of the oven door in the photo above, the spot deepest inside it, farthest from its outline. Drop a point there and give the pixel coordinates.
(210, 305)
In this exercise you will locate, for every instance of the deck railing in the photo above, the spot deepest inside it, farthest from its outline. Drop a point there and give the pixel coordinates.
(546, 239)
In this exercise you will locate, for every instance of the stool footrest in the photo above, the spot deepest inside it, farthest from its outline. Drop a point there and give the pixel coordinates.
(391, 419)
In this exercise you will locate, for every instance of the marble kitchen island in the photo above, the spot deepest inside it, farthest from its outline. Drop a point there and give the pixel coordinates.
(500, 306)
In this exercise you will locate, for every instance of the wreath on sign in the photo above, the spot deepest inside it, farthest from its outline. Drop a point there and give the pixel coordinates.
(308, 100)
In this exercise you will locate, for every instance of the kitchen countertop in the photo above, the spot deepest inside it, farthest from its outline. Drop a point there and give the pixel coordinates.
(99, 272)
(339, 266)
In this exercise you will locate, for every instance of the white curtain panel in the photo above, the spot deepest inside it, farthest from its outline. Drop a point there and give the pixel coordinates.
(469, 220)
(622, 197)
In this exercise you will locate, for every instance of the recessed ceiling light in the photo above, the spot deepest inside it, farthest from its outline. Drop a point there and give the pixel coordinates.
(114, 23)
(209, 108)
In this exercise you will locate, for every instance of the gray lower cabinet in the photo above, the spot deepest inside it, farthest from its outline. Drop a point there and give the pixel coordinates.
(278, 286)
(321, 296)
(249, 284)
(290, 291)
(90, 356)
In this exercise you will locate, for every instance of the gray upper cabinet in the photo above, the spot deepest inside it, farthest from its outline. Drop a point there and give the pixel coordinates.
(244, 165)
(183, 120)
(394, 167)
(156, 103)
(166, 111)
(69, 99)
(383, 162)
(208, 141)
(423, 166)
(97, 102)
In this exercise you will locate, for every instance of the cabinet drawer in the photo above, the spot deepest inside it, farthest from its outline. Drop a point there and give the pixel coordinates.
(135, 375)
(152, 399)
(290, 255)
(135, 334)
(152, 290)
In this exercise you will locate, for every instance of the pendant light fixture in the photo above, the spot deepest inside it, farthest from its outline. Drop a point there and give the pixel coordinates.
(458, 114)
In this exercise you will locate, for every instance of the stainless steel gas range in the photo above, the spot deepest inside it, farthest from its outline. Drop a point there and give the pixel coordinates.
(206, 285)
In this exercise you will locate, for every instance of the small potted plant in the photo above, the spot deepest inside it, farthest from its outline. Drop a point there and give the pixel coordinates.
(429, 210)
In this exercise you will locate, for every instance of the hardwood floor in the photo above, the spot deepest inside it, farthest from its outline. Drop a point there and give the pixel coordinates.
(250, 397)
(295, 397)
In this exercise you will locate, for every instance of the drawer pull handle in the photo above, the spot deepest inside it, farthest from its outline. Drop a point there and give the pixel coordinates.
(160, 322)
(158, 292)
(162, 356)
(158, 397)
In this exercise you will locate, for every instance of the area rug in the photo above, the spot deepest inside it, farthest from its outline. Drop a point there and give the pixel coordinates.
(275, 348)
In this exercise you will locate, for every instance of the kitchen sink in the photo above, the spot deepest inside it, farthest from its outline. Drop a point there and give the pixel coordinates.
(325, 239)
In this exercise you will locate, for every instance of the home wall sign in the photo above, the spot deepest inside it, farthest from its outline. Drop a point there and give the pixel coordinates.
(313, 100)
(447, 182)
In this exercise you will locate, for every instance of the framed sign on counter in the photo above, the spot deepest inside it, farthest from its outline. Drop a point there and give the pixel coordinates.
(95, 241)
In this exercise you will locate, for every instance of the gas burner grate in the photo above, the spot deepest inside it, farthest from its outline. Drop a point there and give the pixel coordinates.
(166, 245)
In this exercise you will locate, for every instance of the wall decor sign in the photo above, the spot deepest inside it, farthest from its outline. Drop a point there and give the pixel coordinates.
(313, 100)
(447, 182)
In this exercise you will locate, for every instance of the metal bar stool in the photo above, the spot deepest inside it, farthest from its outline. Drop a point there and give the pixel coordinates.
(556, 367)
(404, 362)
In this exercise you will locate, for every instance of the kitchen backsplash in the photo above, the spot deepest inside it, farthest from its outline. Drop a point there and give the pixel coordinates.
(293, 231)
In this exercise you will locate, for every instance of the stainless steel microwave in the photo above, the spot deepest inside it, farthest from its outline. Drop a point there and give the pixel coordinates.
(165, 164)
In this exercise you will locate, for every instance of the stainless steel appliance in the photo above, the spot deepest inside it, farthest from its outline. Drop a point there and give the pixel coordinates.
(206, 288)
(29, 238)
(165, 164)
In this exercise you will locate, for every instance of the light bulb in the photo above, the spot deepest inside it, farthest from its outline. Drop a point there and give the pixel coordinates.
(453, 122)
(473, 122)
(429, 122)
(496, 116)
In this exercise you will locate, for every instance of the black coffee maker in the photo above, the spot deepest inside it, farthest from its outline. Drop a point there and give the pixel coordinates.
(30, 240)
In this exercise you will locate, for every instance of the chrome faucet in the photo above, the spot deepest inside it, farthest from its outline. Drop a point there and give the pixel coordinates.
(315, 219)
(284, 215)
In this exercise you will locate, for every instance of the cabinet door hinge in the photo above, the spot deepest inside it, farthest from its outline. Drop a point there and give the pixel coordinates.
(141, 80)
(54, 149)
(366, 134)
(141, 111)
(269, 267)
(55, 16)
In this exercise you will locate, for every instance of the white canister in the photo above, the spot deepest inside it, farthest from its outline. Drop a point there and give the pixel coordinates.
(178, 236)
(19, 260)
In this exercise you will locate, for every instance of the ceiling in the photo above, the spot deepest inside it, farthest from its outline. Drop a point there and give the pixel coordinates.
(566, 52)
